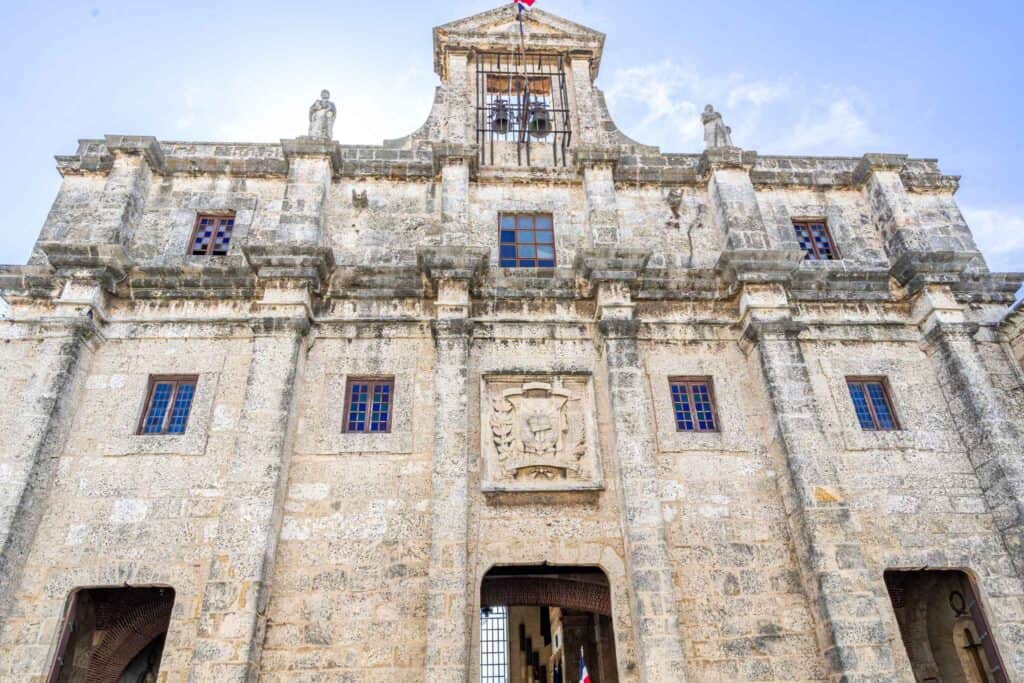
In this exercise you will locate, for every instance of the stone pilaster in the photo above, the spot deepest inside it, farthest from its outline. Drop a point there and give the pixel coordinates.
(452, 272)
(588, 112)
(232, 622)
(311, 166)
(752, 253)
(120, 208)
(652, 589)
(44, 414)
(918, 250)
(459, 118)
(598, 167)
(456, 164)
(840, 592)
(994, 442)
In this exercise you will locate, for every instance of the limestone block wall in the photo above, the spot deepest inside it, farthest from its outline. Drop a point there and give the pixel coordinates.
(349, 587)
(917, 498)
(397, 217)
(743, 613)
(571, 529)
(647, 221)
(128, 509)
(167, 223)
(847, 215)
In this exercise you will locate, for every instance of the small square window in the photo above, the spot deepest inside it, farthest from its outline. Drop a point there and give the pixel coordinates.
(693, 404)
(168, 404)
(816, 240)
(212, 235)
(368, 405)
(872, 402)
(527, 241)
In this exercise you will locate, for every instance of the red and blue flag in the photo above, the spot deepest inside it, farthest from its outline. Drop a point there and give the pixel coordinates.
(524, 4)
(584, 674)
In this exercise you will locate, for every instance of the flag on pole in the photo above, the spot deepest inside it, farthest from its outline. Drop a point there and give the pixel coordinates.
(584, 674)
(524, 4)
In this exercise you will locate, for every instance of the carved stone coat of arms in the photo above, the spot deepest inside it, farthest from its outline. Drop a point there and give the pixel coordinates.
(539, 434)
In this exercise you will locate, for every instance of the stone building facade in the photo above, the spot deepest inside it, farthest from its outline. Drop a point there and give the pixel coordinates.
(648, 417)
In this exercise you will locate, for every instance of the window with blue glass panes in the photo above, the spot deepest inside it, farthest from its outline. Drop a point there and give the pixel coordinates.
(693, 404)
(368, 405)
(526, 241)
(168, 405)
(873, 404)
(212, 235)
(816, 240)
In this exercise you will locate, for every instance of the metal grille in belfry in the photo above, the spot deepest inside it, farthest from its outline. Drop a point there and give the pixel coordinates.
(522, 101)
(494, 645)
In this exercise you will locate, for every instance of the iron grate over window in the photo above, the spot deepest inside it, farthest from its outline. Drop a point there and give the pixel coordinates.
(522, 109)
(494, 645)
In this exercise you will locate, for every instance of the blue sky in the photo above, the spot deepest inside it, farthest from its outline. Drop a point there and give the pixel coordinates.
(937, 79)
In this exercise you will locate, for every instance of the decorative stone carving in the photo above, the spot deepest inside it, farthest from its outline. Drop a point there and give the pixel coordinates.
(539, 434)
(360, 200)
(675, 203)
(716, 133)
(321, 117)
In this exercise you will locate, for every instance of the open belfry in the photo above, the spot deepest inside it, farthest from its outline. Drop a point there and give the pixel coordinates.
(509, 399)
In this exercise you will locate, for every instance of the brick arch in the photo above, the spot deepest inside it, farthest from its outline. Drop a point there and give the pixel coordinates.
(544, 591)
(127, 638)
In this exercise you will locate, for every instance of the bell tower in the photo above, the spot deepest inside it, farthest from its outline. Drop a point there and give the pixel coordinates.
(519, 90)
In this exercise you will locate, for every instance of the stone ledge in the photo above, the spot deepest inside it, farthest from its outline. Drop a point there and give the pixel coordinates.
(612, 264)
(310, 264)
(314, 148)
(759, 265)
(453, 263)
(107, 264)
(145, 145)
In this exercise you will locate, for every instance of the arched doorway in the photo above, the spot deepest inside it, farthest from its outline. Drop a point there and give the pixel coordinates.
(113, 635)
(944, 627)
(539, 624)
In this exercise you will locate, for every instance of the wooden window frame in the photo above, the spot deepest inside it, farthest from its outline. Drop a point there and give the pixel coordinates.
(886, 392)
(807, 223)
(373, 382)
(690, 381)
(177, 381)
(516, 216)
(218, 217)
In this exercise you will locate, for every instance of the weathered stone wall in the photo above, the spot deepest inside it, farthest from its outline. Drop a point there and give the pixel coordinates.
(128, 509)
(300, 553)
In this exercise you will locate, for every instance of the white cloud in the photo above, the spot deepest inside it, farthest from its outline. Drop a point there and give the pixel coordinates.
(660, 104)
(999, 232)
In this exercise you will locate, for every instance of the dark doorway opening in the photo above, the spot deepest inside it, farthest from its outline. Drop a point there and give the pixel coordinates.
(944, 627)
(113, 635)
(539, 624)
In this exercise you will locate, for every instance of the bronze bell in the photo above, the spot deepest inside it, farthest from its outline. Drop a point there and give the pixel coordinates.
(501, 120)
(540, 120)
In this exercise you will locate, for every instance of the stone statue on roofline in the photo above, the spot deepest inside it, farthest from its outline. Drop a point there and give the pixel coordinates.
(321, 117)
(716, 133)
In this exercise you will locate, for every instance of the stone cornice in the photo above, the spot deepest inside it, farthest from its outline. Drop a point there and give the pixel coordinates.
(106, 264)
(612, 265)
(759, 265)
(146, 146)
(314, 148)
(726, 158)
(446, 154)
(291, 264)
(465, 264)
